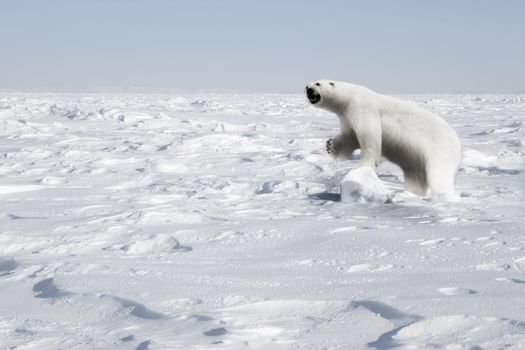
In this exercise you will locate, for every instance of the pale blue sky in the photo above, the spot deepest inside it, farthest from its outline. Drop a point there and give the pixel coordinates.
(390, 46)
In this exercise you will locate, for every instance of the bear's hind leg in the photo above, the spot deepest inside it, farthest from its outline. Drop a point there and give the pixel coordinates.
(415, 184)
(441, 179)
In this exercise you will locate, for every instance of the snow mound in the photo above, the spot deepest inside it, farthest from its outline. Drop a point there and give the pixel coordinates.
(462, 332)
(456, 291)
(365, 268)
(362, 185)
(154, 244)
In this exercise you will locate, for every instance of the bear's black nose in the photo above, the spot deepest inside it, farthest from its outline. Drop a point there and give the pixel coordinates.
(309, 90)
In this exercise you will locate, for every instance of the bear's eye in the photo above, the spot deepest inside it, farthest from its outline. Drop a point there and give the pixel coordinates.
(331, 83)
(317, 84)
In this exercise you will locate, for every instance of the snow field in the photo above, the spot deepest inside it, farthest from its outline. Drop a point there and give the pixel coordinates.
(214, 221)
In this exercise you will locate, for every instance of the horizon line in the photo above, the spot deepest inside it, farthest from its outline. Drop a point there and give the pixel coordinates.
(173, 90)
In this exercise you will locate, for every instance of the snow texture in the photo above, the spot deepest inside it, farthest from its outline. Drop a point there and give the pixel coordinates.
(215, 221)
(362, 185)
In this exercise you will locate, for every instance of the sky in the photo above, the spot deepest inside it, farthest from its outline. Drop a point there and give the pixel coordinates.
(404, 46)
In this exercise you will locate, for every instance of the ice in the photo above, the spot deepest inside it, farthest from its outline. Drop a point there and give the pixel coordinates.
(215, 221)
(362, 185)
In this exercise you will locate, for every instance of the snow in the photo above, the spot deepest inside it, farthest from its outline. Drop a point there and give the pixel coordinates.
(362, 185)
(215, 221)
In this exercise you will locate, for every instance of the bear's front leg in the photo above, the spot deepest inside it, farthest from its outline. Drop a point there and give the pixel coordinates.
(342, 146)
(368, 134)
(331, 147)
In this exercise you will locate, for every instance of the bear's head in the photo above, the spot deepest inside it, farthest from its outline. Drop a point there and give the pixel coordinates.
(325, 94)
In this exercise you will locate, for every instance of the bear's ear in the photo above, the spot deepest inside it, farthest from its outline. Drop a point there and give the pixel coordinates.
(331, 83)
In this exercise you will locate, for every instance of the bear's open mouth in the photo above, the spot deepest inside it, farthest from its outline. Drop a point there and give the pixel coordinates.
(314, 97)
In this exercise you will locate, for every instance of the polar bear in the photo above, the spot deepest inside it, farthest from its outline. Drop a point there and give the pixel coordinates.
(422, 144)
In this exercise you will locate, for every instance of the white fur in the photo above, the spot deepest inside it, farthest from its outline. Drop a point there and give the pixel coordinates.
(425, 147)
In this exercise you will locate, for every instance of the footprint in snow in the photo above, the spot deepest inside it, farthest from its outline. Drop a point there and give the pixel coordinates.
(136, 309)
(432, 242)
(510, 280)
(7, 266)
(144, 345)
(398, 318)
(215, 332)
(48, 290)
